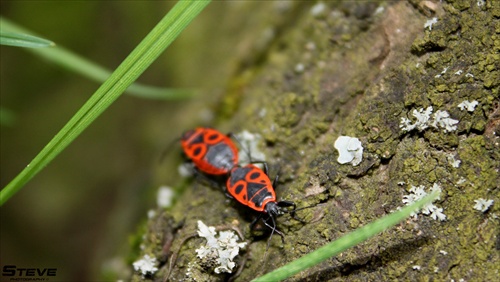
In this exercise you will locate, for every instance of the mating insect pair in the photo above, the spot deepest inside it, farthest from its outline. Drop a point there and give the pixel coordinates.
(215, 154)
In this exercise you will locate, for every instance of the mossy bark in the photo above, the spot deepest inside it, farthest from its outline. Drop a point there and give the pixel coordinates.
(356, 68)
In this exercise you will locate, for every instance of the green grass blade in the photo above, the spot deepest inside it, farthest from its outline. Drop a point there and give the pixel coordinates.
(84, 67)
(129, 70)
(345, 242)
(23, 40)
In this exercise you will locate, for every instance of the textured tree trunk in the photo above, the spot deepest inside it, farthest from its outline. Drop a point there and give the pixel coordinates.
(357, 68)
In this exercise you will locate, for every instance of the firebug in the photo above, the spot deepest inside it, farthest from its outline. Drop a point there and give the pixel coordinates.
(252, 187)
(211, 151)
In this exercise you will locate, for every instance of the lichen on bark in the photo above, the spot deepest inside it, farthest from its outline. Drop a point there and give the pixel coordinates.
(364, 66)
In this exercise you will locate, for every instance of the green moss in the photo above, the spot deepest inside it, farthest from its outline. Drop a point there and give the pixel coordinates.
(442, 88)
(461, 4)
(477, 171)
(290, 110)
(234, 94)
(492, 80)
(427, 44)
(135, 241)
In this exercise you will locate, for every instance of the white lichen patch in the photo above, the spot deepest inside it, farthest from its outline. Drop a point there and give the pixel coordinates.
(417, 193)
(219, 250)
(461, 181)
(452, 161)
(164, 196)
(189, 269)
(262, 112)
(425, 118)
(146, 265)
(151, 214)
(379, 10)
(430, 23)
(350, 150)
(445, 69)
(469, 106)
(299, 68)
(422, 120)
(318, 9)
(185, 169)
(442, 119)
(482, 205)
(249, 143)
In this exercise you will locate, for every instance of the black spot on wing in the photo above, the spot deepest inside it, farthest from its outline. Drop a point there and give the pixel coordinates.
(238, 174)
(238, 189)
(197, 151)
(197, 139)
(255, 175)
(213, 136)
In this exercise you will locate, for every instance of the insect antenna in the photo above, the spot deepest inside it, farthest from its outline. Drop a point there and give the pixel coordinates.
(294, 210)
(167, 148)
(273, 230)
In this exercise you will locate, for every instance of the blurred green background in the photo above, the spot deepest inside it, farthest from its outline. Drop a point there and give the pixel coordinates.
(78, 213)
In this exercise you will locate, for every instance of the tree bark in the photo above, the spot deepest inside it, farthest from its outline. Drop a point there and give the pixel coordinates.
(357, 68)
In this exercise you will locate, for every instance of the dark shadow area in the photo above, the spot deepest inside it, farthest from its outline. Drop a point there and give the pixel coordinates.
(369, 263)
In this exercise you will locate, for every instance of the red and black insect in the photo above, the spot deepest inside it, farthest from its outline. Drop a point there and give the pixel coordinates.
(211, 151)
(252, 187)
